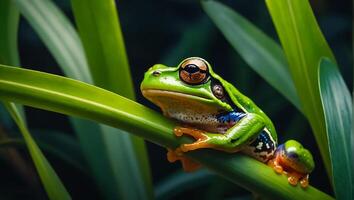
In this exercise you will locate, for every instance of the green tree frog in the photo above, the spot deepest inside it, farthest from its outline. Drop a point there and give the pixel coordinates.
(218, 116)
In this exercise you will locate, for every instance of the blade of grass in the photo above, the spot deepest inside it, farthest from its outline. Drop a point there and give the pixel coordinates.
(304, 46)
(51, 182)
(259, 51)
(110, 70)
(53, 143)
(337, 106)
(9, 19)
(97, 141)
(67, 96)
(58, 35)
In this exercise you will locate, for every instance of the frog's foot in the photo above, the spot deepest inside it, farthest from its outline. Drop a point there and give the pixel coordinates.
(200, 137)
(304, 182)
(273, 163)
(195, 133)
(294, 177)
(188, 164)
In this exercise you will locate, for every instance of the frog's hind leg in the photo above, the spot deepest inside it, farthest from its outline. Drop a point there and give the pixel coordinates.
(273, 163)
(262, 148)
(195, 133)
(200, 137)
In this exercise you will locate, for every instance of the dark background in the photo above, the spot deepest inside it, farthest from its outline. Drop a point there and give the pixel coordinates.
(166, 31)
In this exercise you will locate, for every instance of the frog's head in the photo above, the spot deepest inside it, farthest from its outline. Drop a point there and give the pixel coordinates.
(297, 157)
(191, 87)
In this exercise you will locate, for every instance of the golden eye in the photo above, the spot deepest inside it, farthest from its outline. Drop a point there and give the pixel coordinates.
(194, 71)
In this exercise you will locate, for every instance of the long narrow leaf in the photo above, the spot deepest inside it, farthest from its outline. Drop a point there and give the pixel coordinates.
(58, 35)
(52, 143)
(52, 184)
(9, 19)
(304, 46)
(110, 70)
(72, 97)
(52, 26)
(9, 54)
(337, 106)
(259, 51)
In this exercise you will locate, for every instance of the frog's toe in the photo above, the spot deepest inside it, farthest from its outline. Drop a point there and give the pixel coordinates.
(174, 155)
(294, 177)
(201, 144)
(293, 180)
(304, 182)
(195, 133)
(275, 165)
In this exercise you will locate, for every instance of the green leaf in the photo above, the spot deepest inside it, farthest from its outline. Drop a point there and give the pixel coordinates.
(9, 54)
(100, 32)
(51, 182)
(67, 96)
(62, 145)
(259, 51)
(304, 46)
(58, 35)
(337, 106)
(9, 19)
(110, 70)
(53, 142)
(96, 140)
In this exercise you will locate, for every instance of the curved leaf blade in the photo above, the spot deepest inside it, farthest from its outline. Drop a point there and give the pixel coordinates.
(58, 34)
(259, 51)
(304, 46)
(337, 106)
(51, 182)
(96, 140)
(109, 67)
(72, 97)
(9, 19)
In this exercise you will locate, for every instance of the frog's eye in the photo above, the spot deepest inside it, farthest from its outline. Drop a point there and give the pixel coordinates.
(218, 91)
(193, 71)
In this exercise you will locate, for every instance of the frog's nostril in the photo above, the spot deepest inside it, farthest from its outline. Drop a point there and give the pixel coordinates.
(156, 73)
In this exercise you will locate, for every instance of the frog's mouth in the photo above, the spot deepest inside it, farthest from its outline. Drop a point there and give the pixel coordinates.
(171, 101)
(149, 93)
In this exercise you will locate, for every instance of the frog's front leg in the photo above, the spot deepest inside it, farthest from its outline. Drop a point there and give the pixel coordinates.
(241, 133)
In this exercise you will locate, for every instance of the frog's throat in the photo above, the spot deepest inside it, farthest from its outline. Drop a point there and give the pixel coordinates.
(171, 101)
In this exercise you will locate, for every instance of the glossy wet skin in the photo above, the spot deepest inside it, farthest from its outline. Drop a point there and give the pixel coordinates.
(181, 97)
(195, 96)
(164, 86)
(162, 78)
(296, 157)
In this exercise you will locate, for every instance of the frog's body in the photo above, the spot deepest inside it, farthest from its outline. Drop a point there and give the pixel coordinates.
(222, 118)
